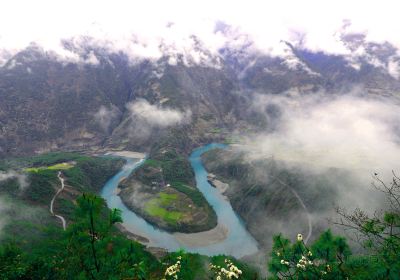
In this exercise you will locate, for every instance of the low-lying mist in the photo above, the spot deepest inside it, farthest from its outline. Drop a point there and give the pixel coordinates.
(323, 131)
(11, 174)
(341, 140)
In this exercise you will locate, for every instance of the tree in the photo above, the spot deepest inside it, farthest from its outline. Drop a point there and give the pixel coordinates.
(378, 234)
(12, 262)
(94, 250)
(323, 260)
(329, 257)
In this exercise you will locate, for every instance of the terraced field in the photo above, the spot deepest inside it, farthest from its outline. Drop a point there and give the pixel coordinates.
(58, 166)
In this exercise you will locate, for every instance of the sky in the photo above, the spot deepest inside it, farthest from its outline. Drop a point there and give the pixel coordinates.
(138, 27)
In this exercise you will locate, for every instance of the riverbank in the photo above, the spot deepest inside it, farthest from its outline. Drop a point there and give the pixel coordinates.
(166, 207)
(131, 235)
(163, 191)
(204, 238)
(262, 194)
(219, 185)
(229, 235)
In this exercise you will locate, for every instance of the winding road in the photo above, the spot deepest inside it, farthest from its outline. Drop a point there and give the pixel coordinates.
(310, 229)
(303, 205)
(64, 223)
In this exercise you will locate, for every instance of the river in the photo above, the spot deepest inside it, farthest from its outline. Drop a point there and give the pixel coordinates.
(238, 241)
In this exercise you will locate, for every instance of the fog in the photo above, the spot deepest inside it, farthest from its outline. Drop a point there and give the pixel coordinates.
(334, 143)
(154, 115)
(11, 174)
(324, 131)
(145, 120)
(106, 117)
(4, 206)
(7, 207)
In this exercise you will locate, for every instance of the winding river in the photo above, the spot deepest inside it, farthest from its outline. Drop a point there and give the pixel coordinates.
(238, 241)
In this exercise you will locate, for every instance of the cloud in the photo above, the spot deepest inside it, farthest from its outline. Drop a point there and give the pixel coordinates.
(156, 116)
(393, 68)
(150, 29)
(333, 131)
(7, 208)
(92, 59)
(321, 135)
(13, 212)
(4, 207)
(106, 116)
(11, 174)
(145, 121)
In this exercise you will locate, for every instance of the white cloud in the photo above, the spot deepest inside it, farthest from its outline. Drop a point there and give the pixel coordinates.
(92, 59)
(4, 207)
(156, 116)
(105, 116)
(323, 135)
(322, 131)
(394, 68)
(153, 28)
(22, 179)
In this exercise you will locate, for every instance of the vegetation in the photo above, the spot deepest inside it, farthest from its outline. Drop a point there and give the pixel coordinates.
(196, 196)
(28, 205)
(41, 186)
(156, 207)
(47, 159)
(92, 248)
(175, 167)
(168, 174)
(329, 257)
(58, 166)
(91, 173)
(263, 191)
(193, 266)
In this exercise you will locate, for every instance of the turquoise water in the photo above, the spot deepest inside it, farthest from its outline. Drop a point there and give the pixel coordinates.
(238, 242)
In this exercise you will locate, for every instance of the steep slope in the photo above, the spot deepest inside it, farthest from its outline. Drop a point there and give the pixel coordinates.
(272, 198)
(50, 103)
(47, 104)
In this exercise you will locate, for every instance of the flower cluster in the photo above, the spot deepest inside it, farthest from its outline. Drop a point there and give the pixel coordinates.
(231, 272)
(303, 262)
(296, 259)
(173, 270)
(284, 262)
(299, 237)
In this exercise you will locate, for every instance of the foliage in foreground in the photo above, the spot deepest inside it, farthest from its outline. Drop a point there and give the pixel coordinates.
(91, 248)
(329, 257)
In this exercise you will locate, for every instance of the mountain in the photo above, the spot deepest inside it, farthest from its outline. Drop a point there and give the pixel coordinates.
(49, 103)
(290, 163)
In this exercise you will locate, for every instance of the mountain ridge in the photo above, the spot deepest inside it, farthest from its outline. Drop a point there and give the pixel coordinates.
(49, 104)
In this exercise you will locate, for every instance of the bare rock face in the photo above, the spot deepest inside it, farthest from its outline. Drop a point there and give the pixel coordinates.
(48, 104)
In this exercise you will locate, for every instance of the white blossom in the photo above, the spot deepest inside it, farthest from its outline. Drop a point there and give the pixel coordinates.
(299, 237)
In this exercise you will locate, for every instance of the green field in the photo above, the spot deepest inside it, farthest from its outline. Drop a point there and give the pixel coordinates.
(167, 166)
(156, 208)
(58, 166)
